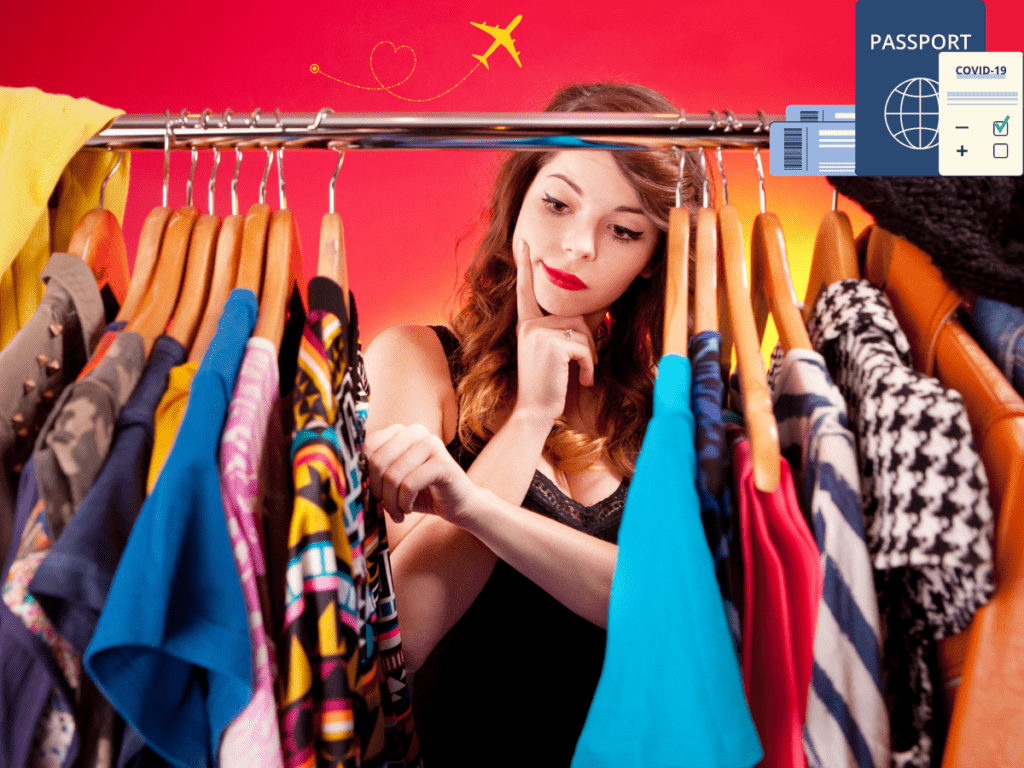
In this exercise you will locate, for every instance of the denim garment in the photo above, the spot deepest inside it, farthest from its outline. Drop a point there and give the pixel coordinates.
(999, 328)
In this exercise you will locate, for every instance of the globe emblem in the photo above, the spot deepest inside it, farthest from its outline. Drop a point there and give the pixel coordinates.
(912, 113)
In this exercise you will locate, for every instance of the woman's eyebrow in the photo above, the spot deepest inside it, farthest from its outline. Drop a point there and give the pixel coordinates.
(567, 180)
(576, 188)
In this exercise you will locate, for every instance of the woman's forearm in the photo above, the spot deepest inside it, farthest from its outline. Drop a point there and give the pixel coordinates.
(573, 567)
(507, 463)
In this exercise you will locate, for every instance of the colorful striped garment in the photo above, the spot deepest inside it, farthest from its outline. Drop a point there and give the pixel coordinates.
(346, 699)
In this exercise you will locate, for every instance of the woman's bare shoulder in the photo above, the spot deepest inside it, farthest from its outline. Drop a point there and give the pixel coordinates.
(411, 349)
(409, 379)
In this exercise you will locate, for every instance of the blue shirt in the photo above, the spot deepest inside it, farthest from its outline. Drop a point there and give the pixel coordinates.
(72, 582)
(171, 650)
(670, 692)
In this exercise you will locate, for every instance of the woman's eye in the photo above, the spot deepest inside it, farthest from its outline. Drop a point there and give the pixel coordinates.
(626, 234)
(557, 206)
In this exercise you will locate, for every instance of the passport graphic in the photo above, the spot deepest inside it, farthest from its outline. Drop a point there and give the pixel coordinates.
(897, 58)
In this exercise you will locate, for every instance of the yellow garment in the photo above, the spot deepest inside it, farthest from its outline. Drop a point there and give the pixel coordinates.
(40, 138)
(167, 418)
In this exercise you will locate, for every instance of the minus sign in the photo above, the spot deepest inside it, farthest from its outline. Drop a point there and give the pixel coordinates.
(962, 127)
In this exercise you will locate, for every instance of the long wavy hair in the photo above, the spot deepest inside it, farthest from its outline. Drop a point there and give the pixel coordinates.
(632, 329)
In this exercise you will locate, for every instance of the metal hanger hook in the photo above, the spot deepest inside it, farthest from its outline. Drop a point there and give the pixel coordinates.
(234, 181)
(103, 186)
(706, 184)
(266, 174)
(679, 179)
(760, 176)
(191, 175)
(721, 171)
(168, 137)
(319, 118)
(216, 164)
(334, 178)
(282, 202)
(762, 122)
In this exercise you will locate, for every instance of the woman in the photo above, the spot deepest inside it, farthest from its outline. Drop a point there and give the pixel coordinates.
(502, 446)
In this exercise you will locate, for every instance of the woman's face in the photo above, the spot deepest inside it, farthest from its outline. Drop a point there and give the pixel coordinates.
(587, 234)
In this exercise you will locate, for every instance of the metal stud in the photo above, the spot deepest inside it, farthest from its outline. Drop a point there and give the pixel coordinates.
(17, 420)
(56, 329)
(53, 366)
(42, 360)
(22, 433)
(17, 468)
(29, 385)
(48, 396)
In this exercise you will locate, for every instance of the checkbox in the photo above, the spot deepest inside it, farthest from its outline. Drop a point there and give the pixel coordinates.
(1000, 127)
(1000, 150)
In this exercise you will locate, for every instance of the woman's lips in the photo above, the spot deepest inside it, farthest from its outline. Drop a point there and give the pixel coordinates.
(564, 279)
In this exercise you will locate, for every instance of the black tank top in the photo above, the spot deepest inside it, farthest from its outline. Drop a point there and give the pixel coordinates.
(510, 684)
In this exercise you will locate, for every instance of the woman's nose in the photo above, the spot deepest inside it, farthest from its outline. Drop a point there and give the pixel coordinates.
(580, 243)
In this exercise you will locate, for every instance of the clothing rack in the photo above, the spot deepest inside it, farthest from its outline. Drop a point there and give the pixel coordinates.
(435, 130)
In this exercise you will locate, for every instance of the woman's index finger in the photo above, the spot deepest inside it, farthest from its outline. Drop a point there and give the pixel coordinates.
(526, 300)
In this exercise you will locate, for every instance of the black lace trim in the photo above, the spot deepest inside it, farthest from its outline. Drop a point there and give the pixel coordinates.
(601, 519)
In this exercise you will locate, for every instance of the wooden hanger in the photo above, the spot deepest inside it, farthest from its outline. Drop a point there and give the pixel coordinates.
(835, 256)
(771, 285)
(881, 245)
(757, 404)
(331, 261)
(162, 294)
(282, 266)
(225, 270)
(677, 284)
(705, 297)
(196, 283)
(145, 261)
(99, 241)
(254, 240)
(283, 250)
(188, 310)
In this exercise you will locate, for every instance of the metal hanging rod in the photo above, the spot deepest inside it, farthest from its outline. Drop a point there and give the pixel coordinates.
(450, 130)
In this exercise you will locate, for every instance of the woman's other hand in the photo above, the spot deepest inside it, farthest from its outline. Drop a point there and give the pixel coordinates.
(412, 471)
(547, 346)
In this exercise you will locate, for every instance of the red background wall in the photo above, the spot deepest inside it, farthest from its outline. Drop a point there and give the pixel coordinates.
(411, 217)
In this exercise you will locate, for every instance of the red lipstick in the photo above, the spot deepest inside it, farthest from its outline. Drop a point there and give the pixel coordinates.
(564, 279)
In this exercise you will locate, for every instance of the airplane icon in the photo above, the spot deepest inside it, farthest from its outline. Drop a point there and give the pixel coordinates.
(501, 37)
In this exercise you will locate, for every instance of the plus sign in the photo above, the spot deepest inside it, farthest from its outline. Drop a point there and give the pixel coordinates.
(962, 151)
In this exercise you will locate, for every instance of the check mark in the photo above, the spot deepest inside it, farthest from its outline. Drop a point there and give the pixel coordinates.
(1000, 126)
